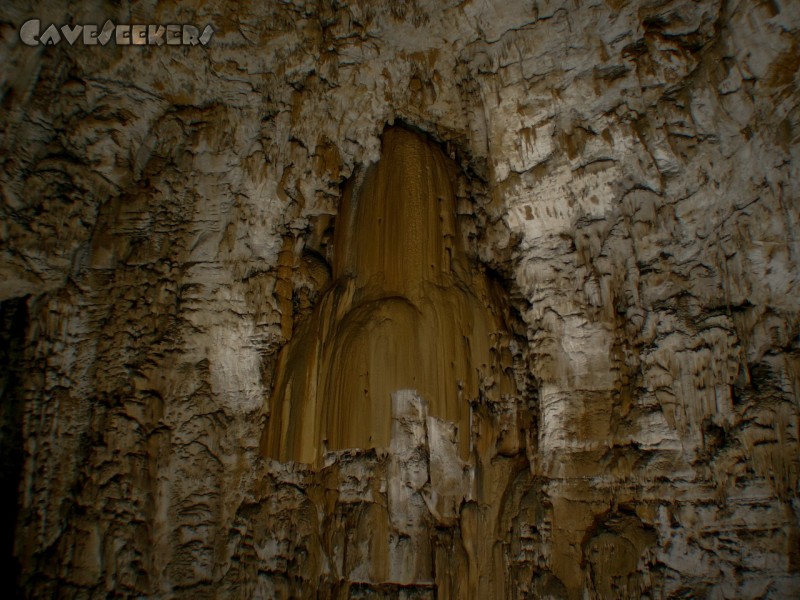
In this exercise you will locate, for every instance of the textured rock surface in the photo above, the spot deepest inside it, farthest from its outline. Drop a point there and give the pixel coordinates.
(628, 170)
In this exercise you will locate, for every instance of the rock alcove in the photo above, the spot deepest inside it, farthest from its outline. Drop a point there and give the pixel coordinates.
(407, 309)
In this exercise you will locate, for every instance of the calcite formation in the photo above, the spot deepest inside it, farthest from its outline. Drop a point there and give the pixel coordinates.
(187, 230)
(404, 311)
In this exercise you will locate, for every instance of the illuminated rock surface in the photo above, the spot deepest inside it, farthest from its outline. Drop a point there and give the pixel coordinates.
(624, 175)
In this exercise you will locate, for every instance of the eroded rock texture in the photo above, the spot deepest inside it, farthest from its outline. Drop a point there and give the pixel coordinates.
(626, 172)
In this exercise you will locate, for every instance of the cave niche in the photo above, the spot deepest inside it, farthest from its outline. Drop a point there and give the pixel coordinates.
(406, 309)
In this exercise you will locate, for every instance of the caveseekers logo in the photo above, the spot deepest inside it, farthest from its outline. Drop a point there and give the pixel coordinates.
(124, 35)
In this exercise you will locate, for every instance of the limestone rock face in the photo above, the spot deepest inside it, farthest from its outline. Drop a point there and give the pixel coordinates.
(624, 174)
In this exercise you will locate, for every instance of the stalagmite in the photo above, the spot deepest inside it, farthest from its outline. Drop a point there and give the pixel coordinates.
(406, 310)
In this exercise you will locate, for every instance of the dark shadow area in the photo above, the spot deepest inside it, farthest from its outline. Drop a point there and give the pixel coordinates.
(13, 326)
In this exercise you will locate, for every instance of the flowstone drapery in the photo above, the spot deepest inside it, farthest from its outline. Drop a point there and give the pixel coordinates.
(406, 310)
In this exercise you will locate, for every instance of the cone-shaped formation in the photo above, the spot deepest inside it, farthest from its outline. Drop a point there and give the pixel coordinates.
(405, 312)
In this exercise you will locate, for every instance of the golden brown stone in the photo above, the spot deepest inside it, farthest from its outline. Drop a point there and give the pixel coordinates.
(406, 311)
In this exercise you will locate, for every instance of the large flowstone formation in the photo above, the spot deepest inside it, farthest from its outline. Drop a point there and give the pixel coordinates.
(406, 310)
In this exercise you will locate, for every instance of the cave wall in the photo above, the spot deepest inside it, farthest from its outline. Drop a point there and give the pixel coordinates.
(630, 174)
